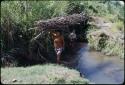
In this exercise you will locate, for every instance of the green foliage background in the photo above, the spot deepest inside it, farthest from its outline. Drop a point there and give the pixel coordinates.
(18, 17)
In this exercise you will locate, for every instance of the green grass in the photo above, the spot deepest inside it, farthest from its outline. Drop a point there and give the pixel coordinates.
(41, 74)
(114, 48)
(118, 26)
(111, 18)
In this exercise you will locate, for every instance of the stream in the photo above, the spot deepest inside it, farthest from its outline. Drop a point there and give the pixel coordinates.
(98, 68)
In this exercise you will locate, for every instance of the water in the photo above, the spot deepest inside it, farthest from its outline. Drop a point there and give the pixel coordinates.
(97, 67)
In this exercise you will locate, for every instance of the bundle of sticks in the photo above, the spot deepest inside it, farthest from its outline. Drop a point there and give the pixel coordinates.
(63, 22)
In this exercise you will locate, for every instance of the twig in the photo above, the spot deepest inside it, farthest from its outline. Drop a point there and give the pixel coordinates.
(36, 37)
(41, 55)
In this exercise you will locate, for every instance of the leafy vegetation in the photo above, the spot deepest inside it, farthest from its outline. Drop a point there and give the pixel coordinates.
(109, 41)
(18, 17)
(112, 12)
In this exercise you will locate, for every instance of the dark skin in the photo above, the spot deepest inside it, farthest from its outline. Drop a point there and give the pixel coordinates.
(58, 43)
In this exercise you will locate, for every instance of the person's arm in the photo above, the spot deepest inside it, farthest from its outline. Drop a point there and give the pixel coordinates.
(53, 37)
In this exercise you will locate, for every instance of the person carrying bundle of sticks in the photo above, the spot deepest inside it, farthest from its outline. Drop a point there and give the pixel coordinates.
(58, 40)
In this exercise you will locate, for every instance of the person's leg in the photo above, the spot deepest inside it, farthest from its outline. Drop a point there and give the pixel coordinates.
(59, 55)
(58, 59)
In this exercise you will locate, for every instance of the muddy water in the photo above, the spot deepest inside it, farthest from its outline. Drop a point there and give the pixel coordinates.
(97, 67)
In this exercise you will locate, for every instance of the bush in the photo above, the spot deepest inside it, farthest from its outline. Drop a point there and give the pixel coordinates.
(106, 44)
(18, 17)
